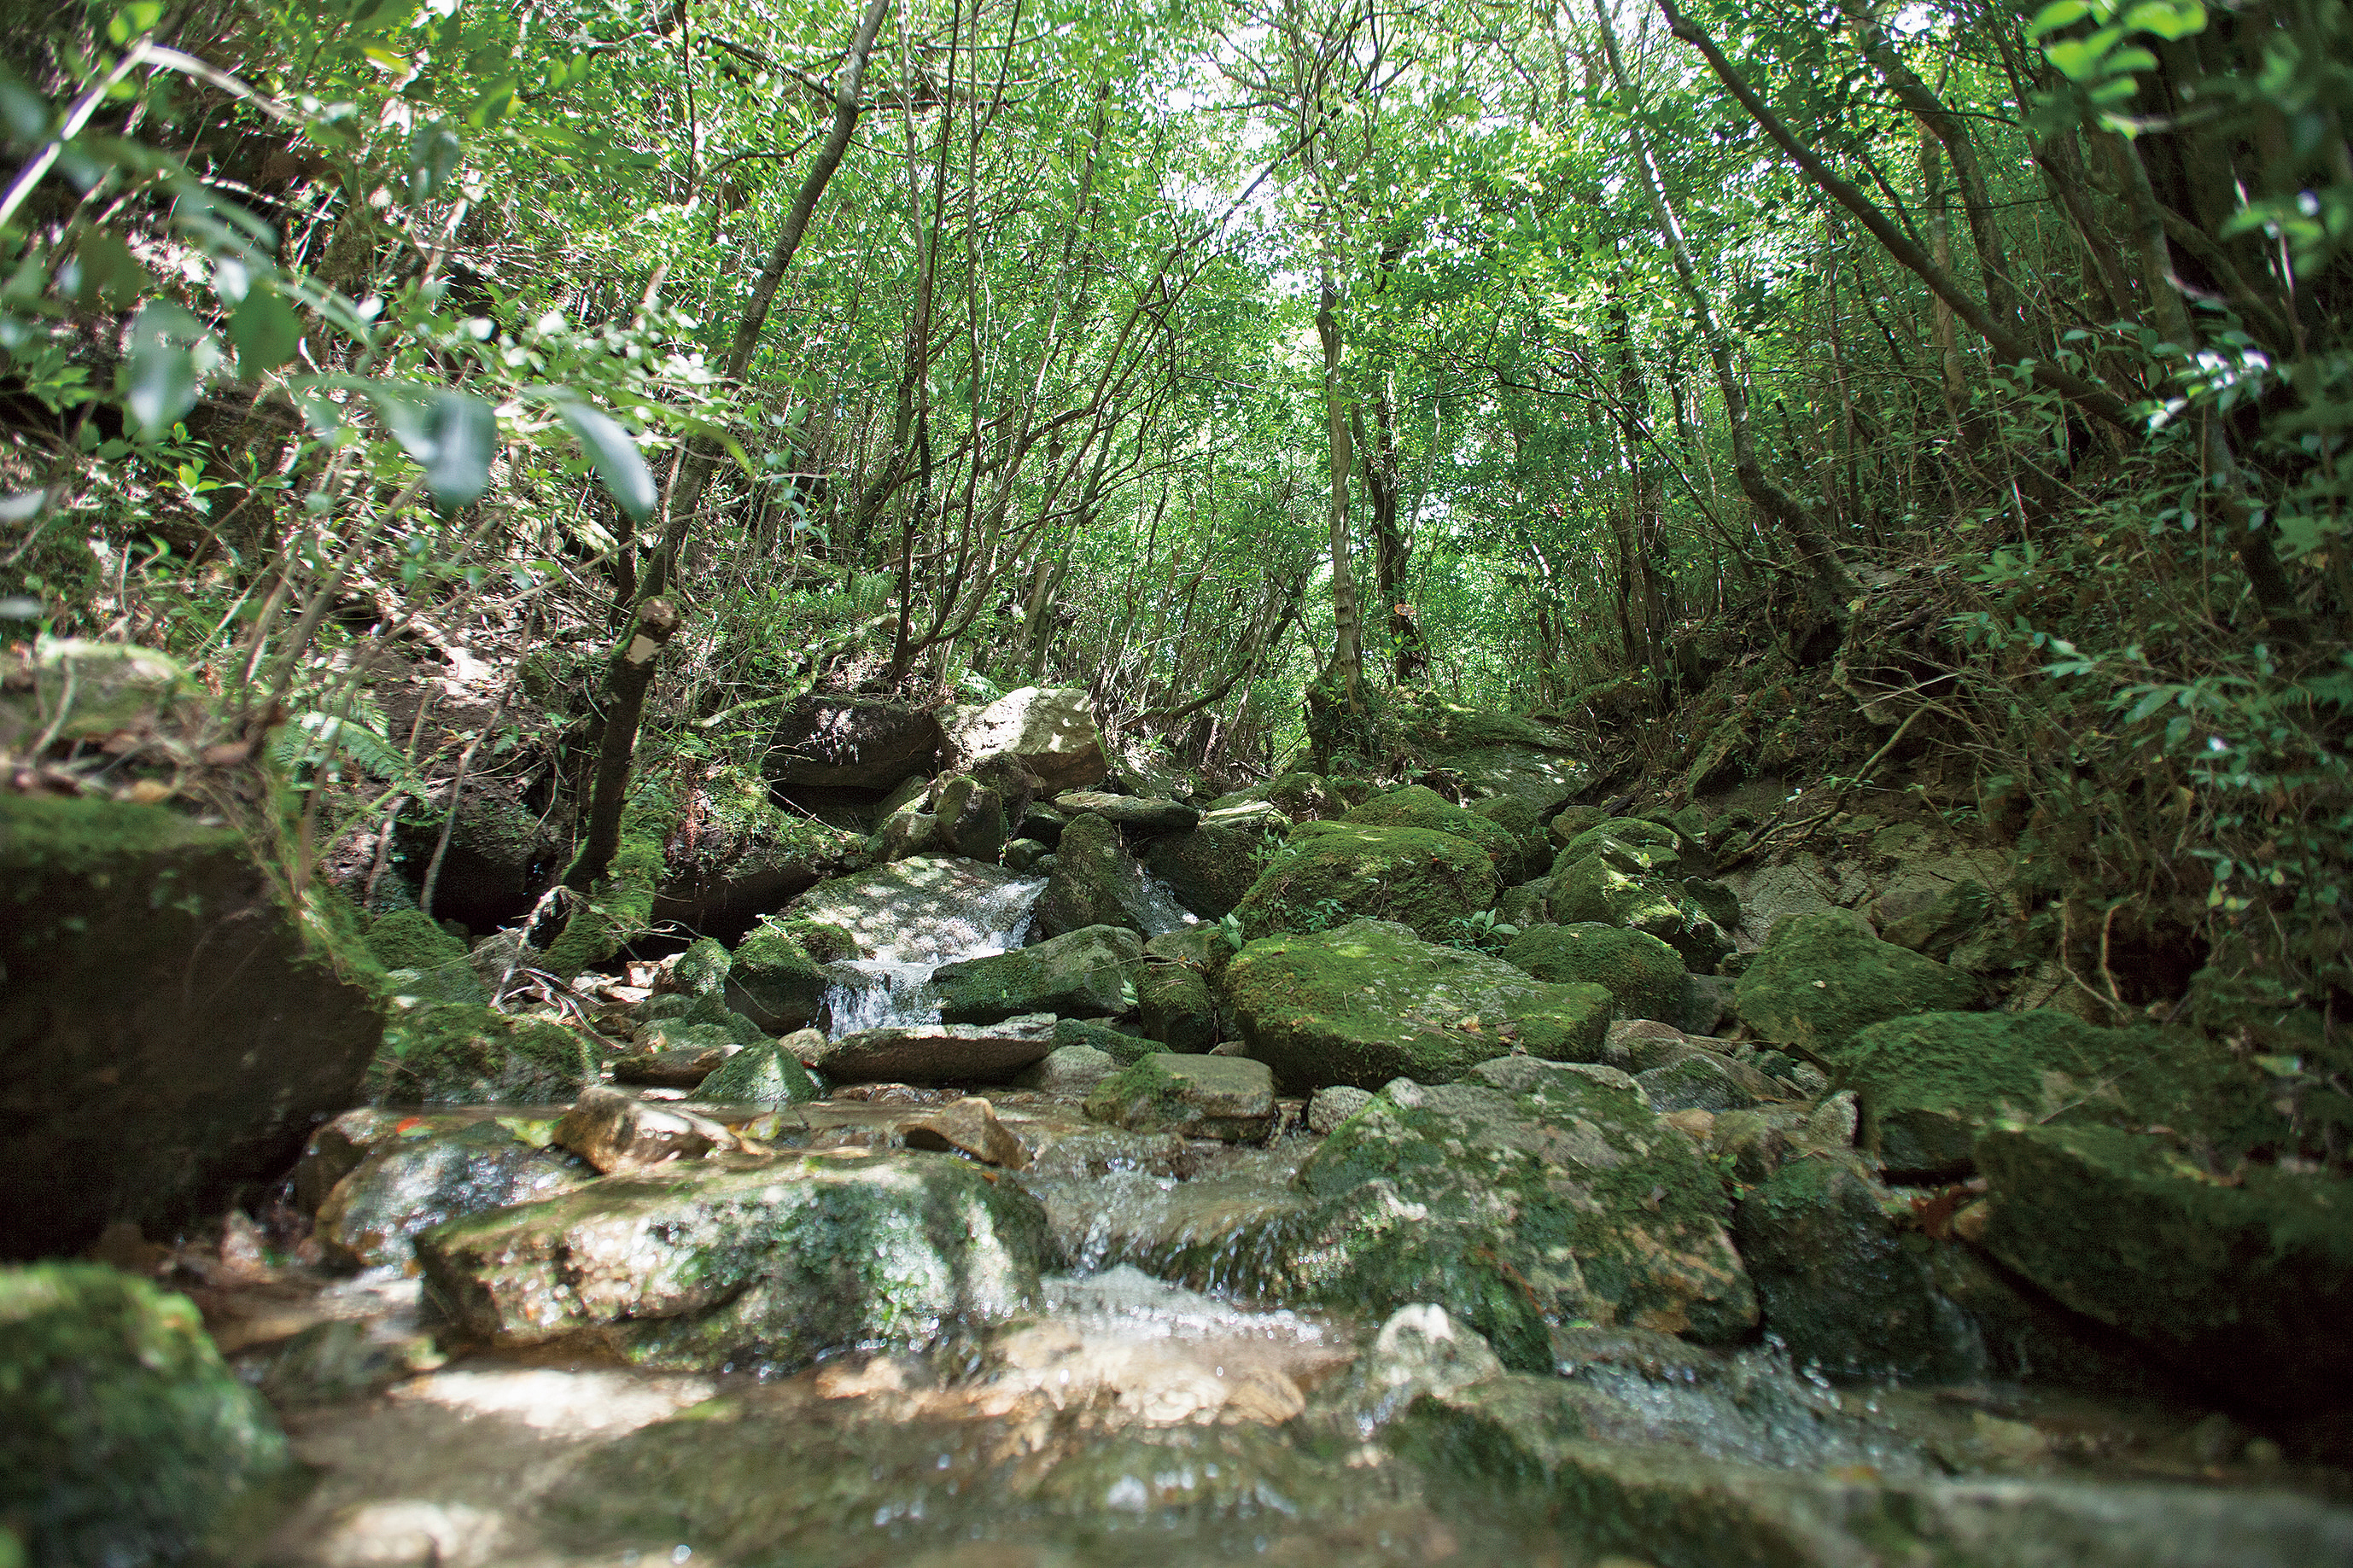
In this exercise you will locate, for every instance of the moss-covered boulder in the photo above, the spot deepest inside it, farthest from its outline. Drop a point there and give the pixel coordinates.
(1527, 1196)
(499, 857)
(1230, 1098)
(1178, 1009)
(1645, 977)
(1370, 1002)
(1633, 844)
(172, 1027)
(415, 1178)
(747, 855)
(1417, 805)
(1928, 1085)
(2245, 1280)
(1121, 1047)
(1096, 881)
(766, 1073)
(1331, 872)
(1496, 753)
(1822, 978)
(700, 970)
(1213, 866)
(1526, 826)
(1048, 732)
(619, 907)
(409, 938)
(774, 980)
(1591, 890)
(857, 742)
(1847, 1285)
(914, 910)
(123, 1436)
(757, 1262)
(463, 1054)
(1084, 975)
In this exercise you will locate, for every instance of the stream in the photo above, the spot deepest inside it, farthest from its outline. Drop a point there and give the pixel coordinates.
(1133, 1418)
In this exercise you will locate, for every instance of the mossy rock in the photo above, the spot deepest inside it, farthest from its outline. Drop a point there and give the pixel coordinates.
(1593, 891)
(618, 908)
(774, 980)
(764, 1074)
(1526, 826)
(1371, 1001)
(418, 1178)
(1630, 844)
(462, 1054)
(1095, 881)
(1120, 1045)
(408, 939)
(1928, 1085)
(1229, 1098)
(1086, 974)
(1331, 872)
(1823, 978)
(702, 968)
(1417, 805)
(1644, 976)
(1213, 866)
(1529, 1196)
(2245, 1282)
(124, 1439)
(1178, 1009)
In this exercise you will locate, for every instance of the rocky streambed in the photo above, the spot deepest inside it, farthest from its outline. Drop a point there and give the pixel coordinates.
(1289, 1178)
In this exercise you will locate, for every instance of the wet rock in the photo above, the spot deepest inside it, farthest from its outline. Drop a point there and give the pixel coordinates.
(1096, 881)
(1023, 854)
(930, 903)
(1928, 1085)
(943, 1053)
(767, 1073)
(1371, 1001)
(1935, 921)
(748, 1261)
(1072, 1069)
(971, 818)
(335, 1149)
(1227, 1098)
(679, 1067)
(343, 1359)
(849, 741)
(1844, 1287)
(1329, 872)
(1591, 890)
(411, 1181)
(1822, 978)
(171, 1030)
(459, 1054)
(619, 1133)
(1419, 1351)
(1670, 1504)
(1083, 973)
(1050, 731)
(1137, 813)
(775, 977)
(968, 1126)
(1178, 1010)
(1709, 1003)
(1531, 1194)
(2244, 1283)
(1644, 977)
(746, 854)
(1333, 1104)
(1416, 805)
(123, 1436)
(1703, 1080)
(1213, 866)
(1120, 1045)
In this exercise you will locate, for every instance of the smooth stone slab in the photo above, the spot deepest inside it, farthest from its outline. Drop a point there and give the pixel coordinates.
(1143, 813)
(936, 1053)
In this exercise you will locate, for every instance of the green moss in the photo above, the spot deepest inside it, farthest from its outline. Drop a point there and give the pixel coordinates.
(1630, 844)
(618, 907)
(824, 943)
(702, 968)
(410, 940)
(459, 1054)
(1823, 978)
(1644, 976)
(123, 1436)
(1417, 805)
(82, 836)
(1117, 1044)
(1330, 872)
(762, 1073)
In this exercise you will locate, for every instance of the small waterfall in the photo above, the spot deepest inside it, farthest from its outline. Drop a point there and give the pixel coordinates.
(930, 929)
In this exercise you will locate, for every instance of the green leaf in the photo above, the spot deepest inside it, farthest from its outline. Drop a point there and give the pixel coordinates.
(2125, 61)
(432, 155)
(265, 332)
(2055, 15)
(619, 462)
(110, 276)
(2078, 58)
(453, 438)
(2171, 20)
(160, 378)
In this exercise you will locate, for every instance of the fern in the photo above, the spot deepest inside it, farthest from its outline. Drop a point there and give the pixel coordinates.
(311, 740)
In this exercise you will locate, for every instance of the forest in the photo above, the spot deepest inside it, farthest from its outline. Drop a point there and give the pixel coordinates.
(565, 480)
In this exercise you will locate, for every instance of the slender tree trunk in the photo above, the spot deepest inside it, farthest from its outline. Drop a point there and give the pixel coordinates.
(628, 675)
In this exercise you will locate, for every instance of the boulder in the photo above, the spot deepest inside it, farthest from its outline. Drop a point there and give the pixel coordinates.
(970, 818)
(1210, 867)
(851, 742)
(1096, 881)
(1928, 1085)
(335, 1149)
(776, 980)
(701, 971)
(1179, 1009)
(1416, 805)
(1845, 1286)
(1120, 1045)
(968, 1126)
(1495, 753)
(1935, 921)
(500, 858)
(1371, 1001)
(1084, 975)
(745, 856)
(1050, 731)
(927, 907)
(1298, 796)
(1705, 1080)
(675, 1067)
(1591, 890)
(1228, 1097)
(171, 1028)
(1529, 1194)
(621, 1134)
(410, 1181)
(1633, 844)
(1138, 814)
(1331, 872)
(1329, 1107)
(1644, 977)
(438, 966)
(123, 1436)
(768, 1074)
(1071, 1070)
(758, 1263)
(2243, 1282)
(942, 1053)
(462, 1054)
(1023, 854)
(1822, 978)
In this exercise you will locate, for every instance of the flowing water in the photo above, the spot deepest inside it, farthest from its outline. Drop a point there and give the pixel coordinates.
(1129, 1420)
